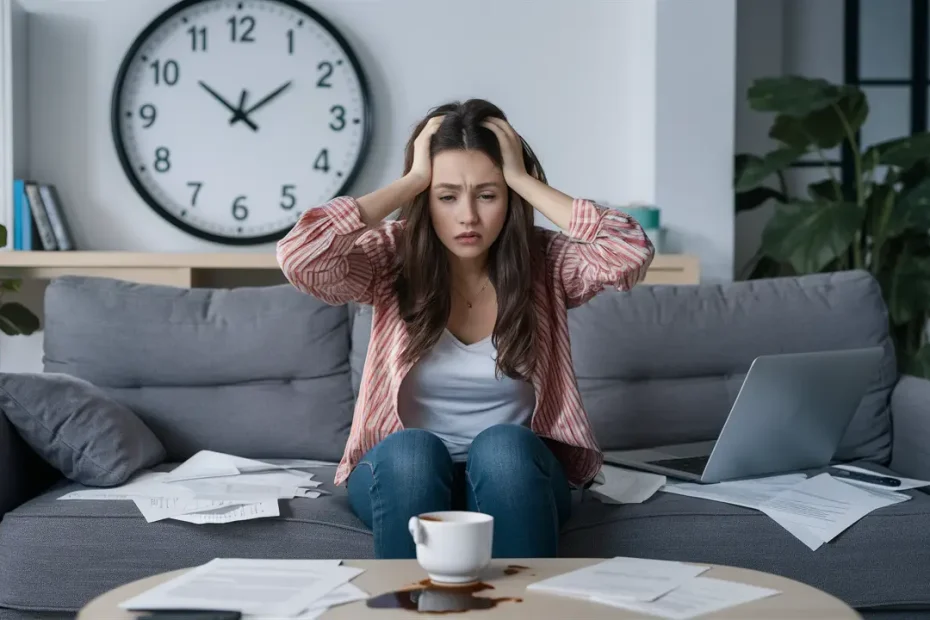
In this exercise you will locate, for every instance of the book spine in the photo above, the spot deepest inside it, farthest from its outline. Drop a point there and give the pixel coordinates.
(40, 217)
(56, 216)
(14, 226)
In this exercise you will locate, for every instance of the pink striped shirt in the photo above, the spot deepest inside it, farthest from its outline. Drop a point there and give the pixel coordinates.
(332, 255)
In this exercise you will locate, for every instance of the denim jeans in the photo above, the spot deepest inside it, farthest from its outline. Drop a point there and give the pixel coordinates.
(509, 473)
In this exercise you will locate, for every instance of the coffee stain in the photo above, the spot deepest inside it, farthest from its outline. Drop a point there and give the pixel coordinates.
(513, 569)
(427, 597)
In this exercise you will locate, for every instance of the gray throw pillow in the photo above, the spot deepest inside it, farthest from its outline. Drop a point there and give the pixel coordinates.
(77, 428)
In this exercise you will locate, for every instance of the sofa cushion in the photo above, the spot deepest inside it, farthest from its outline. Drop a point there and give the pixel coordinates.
(77, 428)
(663, 364)
(259, 372)
(878, 562)
(59, 554)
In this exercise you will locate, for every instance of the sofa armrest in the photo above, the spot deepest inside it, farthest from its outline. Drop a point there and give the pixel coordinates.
(23, 474)
(910, 416)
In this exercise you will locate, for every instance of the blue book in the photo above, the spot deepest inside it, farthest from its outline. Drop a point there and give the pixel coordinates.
(19, 207)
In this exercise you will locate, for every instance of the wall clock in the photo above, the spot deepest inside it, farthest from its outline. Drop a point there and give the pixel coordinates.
(230, 117)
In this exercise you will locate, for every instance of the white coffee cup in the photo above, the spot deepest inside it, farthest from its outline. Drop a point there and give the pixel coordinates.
(453, 546)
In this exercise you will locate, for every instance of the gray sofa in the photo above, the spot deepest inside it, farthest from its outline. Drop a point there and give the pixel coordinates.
(268, 372)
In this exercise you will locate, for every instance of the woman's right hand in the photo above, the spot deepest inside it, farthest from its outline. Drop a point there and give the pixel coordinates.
(421, 169)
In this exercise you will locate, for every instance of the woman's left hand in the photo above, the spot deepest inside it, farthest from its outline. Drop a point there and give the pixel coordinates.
(511, 149)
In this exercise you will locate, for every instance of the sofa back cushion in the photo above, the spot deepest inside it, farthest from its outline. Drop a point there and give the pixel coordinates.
(259, 372)
(663, 364)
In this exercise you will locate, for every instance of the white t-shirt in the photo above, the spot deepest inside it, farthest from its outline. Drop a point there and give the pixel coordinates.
(453, 393)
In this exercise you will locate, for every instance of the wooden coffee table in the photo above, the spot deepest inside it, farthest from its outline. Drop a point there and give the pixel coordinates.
(796, 600)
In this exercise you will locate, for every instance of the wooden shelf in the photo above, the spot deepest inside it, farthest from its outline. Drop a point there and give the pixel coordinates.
(188, 269)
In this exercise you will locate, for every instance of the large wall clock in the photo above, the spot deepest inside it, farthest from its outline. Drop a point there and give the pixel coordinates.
(232, 117)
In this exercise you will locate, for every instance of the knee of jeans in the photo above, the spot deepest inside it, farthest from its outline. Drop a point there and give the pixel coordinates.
(506, 447)
(406, 454)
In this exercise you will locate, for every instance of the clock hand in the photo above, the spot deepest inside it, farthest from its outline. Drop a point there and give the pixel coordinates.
(244, 114)
(237, 112)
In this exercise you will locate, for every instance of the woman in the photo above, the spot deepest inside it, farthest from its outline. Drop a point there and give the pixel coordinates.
(468, 398)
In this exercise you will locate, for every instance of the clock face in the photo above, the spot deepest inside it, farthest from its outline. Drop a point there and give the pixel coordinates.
(231, 117)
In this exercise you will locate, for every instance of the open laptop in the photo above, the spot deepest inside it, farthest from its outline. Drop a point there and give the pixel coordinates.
(790, 414)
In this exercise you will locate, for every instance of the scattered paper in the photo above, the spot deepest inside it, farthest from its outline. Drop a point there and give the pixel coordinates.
(626, 486)
(348, 593)
(632, 579)
(275, 588)
(695, 597)
(825, 506)
(213, 488)
(906, 483)
(746, 493)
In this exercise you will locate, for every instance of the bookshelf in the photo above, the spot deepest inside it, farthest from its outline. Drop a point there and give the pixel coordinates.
(14, 104)
(193, 269)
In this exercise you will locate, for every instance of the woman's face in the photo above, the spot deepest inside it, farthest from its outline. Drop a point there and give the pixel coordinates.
(467, 201)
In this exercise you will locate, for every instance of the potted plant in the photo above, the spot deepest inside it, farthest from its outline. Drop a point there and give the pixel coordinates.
(878, 220)
(15, 318)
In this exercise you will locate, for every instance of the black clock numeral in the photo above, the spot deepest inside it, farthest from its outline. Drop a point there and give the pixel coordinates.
(322, 161)
(328, 68)
(198, 38)
(196, 185)
(148, 114)
(239, 210)
(248, 24)
(162, 159)
(169, 72)
(290, 42)
(289, 200)
(340, 113)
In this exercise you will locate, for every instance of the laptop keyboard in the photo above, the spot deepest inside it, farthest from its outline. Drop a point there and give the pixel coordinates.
(691, 464)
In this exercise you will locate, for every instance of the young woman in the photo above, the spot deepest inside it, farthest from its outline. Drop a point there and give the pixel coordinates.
(468, 398)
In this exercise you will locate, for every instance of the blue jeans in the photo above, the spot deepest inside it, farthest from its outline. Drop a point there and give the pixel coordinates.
(510, 474)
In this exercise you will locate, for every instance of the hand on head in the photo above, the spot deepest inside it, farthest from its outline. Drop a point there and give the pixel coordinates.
(511, 148)
(421, 169)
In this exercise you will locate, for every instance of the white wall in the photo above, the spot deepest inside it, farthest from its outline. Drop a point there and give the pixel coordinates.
(578, 79)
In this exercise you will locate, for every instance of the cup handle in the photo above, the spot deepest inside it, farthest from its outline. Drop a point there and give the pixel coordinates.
(416, 530)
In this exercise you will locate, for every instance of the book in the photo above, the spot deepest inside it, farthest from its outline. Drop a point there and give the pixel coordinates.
(38, 221)
(40, 218)
(56, 217)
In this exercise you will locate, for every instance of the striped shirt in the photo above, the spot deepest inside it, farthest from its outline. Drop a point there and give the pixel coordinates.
(331, 254)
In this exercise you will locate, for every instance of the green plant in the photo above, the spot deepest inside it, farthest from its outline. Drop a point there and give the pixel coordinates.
(878, 220)
(15, 318)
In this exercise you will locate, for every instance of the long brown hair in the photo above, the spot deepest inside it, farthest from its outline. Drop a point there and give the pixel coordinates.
(423, 280)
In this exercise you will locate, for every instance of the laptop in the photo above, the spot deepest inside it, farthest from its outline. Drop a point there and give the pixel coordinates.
(790, 414)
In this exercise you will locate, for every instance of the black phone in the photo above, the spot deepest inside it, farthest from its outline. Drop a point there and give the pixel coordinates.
(191, 614)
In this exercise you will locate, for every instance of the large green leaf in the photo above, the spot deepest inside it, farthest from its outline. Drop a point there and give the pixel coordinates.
(901, 152)
(808, 235)
(907, 289)
(3, 239)
(16, 319)
(792, 95)
(919, 365)
(749, 200)
(752, 171)
(824, 128)
(909, 210)
(827, 190)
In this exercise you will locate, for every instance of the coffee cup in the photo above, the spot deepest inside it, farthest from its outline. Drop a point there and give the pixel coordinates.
(453, 546)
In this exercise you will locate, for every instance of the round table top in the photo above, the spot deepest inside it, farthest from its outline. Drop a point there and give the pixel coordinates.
(795, 599)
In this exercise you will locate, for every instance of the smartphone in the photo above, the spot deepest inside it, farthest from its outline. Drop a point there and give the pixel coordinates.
(191, 614)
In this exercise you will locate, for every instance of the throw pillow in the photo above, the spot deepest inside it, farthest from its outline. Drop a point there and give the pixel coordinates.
(77, 428)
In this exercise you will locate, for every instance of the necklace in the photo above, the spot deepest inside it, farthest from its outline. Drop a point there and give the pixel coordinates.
(468, 303)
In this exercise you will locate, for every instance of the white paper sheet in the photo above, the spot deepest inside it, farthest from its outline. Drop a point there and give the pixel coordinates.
(825, 506)
(626, 486)
(229, 514)
(632, 579)
(144, 484)
(746, 493)
(348, 593)
(204, 464)
(906, 483)
(277, 588)
(695, 597)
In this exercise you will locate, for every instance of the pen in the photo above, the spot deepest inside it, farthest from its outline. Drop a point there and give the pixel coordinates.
(871, 478)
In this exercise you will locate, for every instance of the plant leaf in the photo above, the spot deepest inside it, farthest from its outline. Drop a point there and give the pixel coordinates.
(825, 191)
(753, 170)
(907, 289)
(792, 95)
(3, 239)
(910, 210)
(749, 200)
(901, 152)
(824, 128)
(16, 319)
(11, 286)
(808, 235)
